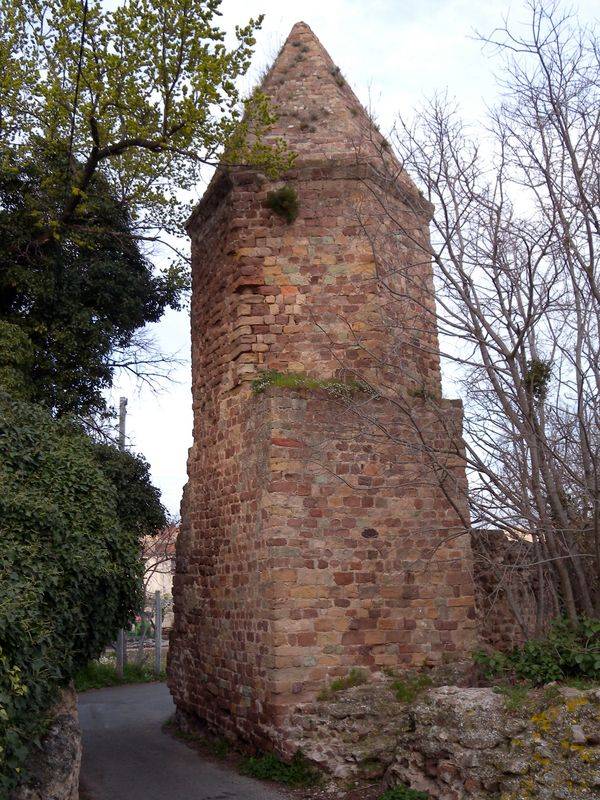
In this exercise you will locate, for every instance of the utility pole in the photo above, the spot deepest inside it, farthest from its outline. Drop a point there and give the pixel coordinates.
(121, 638)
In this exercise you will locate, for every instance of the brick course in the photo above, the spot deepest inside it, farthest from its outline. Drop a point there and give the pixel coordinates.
(310, 542)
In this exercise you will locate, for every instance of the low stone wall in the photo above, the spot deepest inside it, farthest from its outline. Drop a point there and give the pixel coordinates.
(459, 743)
(54, 770)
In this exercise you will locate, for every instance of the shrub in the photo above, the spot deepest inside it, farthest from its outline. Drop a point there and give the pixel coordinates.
(70, 573)
(566, 652)
(284, 202)
(268, 767)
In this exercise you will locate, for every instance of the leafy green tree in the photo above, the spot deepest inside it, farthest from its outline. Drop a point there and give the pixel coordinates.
(70, 567)
(16, 360)
(138, 501)
(107, 118)
(80, 297)
(145, 94)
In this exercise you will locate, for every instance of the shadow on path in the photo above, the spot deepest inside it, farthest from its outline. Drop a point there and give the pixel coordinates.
(126, 755)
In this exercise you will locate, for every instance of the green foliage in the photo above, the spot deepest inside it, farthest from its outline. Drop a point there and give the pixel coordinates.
(98, 675)
(158, 97)
(70, 574)
(567, 652)
(141, 512)
(298, 380)
(284, 202)
(356, 677)
(79, 296)
(16, 361)
(403, 793)
(268, 767)
(106, 114)
(537, 377)
(408, 689)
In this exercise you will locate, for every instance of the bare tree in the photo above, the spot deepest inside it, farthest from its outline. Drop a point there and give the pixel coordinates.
(158, 553)
(514, 245)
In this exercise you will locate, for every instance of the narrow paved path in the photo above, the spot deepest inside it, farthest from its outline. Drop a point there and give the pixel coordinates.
(126, 755)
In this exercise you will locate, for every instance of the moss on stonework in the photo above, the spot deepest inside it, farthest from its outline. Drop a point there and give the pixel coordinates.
(298, 380)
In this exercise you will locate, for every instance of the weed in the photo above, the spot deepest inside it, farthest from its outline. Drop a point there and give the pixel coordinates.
(403, 793)
(337, 75)
(356, 677)
(551, 695)
(408, 689)
(268, 767)
(214, 745)
(284, 202)
(218, 747)
(515, 697)
(185, 736)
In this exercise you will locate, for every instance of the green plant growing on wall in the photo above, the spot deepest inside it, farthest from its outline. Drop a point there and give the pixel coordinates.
(407, 690)
(284, 202)
(356, 677)
(298, 380)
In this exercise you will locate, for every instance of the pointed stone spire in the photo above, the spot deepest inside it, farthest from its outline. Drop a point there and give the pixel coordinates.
(319, 114)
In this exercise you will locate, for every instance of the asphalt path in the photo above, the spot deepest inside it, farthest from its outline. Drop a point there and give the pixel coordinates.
(127, 756)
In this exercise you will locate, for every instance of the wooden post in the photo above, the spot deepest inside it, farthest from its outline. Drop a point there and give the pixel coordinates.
(157, 632)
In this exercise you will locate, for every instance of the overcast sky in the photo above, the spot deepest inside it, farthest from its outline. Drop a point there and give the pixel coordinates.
(393, 53)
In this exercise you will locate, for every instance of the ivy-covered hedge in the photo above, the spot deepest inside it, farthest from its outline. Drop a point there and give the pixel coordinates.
(70, 571)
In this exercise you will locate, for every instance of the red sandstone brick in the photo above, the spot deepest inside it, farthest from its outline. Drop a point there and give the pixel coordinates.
(343, 578)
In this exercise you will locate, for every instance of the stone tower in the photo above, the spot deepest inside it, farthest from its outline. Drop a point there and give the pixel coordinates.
(316, 535)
